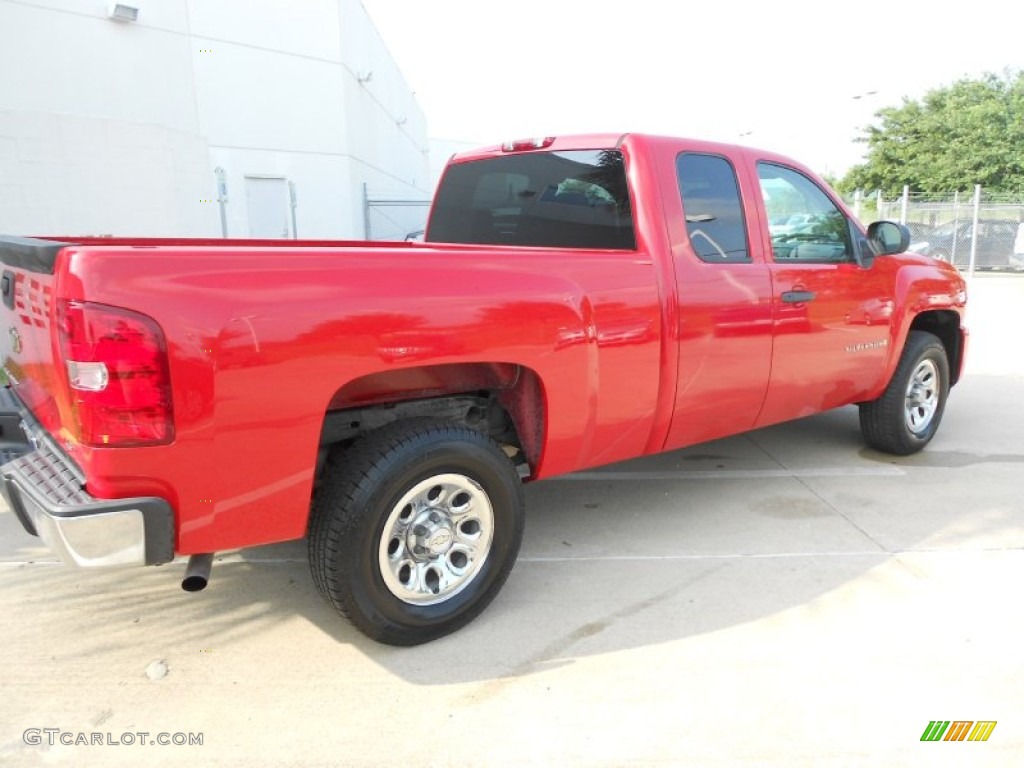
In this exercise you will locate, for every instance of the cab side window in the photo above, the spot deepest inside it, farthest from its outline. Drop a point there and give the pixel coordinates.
(711, 204)
(805, 224)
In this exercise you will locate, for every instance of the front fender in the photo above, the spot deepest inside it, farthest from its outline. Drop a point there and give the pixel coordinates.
(929, 296)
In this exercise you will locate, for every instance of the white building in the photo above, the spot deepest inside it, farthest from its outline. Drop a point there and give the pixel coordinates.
(117, 126)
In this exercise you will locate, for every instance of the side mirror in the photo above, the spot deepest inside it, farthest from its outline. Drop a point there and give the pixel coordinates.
(888, 237)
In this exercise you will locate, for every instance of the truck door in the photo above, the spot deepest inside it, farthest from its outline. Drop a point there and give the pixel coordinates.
(831, 317)
(724, 321)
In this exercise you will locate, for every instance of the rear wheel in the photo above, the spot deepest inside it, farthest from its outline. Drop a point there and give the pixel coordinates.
(906, 416)
(415, 530)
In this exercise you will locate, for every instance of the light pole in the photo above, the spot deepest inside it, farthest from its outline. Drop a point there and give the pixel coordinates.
(863, 97)
(222, 198)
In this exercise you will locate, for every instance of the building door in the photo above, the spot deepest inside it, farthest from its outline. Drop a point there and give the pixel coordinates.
(267, 201)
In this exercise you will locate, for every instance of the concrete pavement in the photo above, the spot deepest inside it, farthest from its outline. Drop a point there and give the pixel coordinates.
(786, 598)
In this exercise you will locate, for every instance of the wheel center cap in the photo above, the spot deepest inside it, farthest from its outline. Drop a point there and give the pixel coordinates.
(431, 535)
(439, 541)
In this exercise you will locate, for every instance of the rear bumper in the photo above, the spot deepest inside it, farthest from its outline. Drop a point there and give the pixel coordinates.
(45, 490)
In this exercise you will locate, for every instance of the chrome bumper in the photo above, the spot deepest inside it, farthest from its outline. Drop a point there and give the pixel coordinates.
(45, 490)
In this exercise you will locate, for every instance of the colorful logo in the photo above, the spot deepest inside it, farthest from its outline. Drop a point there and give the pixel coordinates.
(958, 730)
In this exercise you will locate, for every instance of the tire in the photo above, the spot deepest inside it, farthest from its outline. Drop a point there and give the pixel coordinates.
(906, 416)
(415, 530)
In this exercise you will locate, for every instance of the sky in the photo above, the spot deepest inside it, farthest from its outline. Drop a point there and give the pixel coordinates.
(799, 78)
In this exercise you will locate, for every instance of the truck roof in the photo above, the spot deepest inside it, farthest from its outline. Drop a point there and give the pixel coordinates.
(610, 141)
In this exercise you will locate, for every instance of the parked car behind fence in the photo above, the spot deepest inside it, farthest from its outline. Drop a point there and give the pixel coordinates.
(940, 224)
(951, 242)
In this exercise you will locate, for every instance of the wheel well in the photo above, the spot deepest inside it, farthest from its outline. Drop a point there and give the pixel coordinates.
(502, 400)
(945, 324)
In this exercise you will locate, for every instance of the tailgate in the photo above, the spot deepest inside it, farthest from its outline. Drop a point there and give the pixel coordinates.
(43, 486)
(26, 314)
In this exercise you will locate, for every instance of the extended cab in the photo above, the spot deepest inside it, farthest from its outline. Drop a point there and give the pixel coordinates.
(578, 301)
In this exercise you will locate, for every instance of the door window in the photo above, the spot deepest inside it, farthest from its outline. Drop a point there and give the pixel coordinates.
(805, 224)
(711, 204)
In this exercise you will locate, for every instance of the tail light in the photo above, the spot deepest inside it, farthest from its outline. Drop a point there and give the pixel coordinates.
(119, 382)
(521, 145)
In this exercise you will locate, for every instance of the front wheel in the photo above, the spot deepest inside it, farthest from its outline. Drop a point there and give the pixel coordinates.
(906, 416)
(415, 530)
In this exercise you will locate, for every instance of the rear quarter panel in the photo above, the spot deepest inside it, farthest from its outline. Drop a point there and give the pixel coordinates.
(261, 341)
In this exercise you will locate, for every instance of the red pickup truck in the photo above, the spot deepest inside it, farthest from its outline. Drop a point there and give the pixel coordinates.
(578, 301)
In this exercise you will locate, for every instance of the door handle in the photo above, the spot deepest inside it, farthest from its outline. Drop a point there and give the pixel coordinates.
(797, 297)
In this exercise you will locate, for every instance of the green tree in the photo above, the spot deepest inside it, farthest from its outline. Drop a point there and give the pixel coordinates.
(971, 132)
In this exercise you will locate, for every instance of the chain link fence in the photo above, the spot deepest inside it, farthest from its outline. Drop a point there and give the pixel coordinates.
(972, 230)
(394, 218)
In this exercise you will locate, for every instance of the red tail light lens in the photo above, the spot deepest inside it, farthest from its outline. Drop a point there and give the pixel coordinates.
(116, 363)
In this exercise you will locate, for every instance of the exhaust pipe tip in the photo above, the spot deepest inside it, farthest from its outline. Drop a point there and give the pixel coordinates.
(197, 573)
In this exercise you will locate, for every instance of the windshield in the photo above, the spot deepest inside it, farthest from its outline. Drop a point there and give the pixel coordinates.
(575, 199)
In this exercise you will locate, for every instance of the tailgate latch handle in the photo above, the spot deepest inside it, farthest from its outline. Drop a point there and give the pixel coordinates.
(7, 288)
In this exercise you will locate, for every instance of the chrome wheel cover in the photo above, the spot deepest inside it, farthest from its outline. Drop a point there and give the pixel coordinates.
(436, 539)
(922, 397)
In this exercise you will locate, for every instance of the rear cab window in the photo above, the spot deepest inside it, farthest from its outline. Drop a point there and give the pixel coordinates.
(567, 199)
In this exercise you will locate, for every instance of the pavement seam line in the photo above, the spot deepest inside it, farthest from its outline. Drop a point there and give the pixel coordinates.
(843, 515)
(734, 474)
(235, 559)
